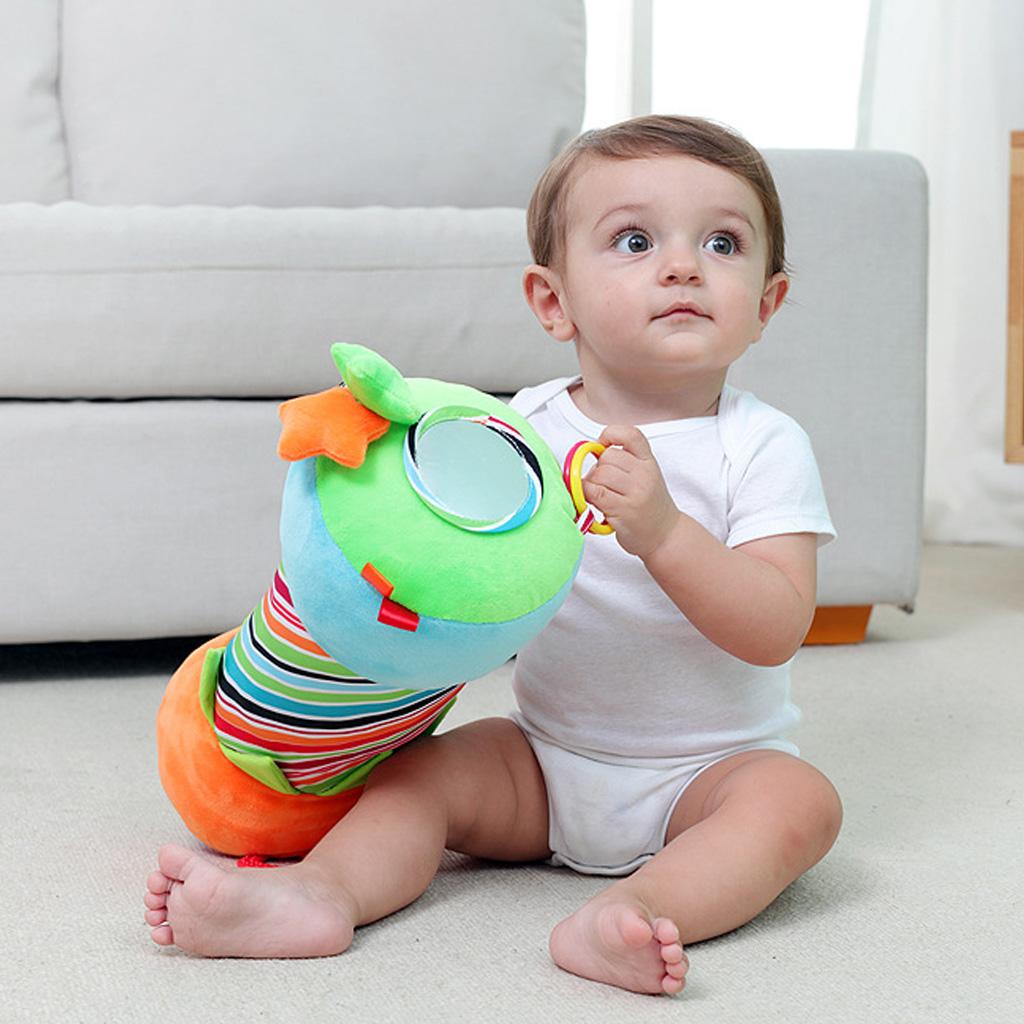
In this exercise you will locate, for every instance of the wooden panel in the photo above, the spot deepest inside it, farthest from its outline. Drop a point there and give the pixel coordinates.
(1015, 307)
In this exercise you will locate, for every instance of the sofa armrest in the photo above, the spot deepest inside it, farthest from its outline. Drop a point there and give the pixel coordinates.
(845, 356)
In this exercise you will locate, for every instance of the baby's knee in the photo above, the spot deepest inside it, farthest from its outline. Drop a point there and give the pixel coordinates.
(815, 815)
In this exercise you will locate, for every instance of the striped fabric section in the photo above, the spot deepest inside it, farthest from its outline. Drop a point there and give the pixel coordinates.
(280, 694)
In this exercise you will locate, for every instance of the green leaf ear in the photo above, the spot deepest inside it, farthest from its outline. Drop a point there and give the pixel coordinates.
(375, 383)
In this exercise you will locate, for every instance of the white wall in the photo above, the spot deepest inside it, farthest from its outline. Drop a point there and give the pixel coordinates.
(785, 74)
(945, 82)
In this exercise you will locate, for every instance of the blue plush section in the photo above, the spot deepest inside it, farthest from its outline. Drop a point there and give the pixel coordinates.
(339, 608)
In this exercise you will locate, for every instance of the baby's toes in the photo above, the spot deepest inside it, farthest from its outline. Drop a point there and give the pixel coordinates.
(162, 935)
(665, 931)
(154, 918)
(158, 883)
(673, 953)
(155, 900)
(672, 986)
(677, 970)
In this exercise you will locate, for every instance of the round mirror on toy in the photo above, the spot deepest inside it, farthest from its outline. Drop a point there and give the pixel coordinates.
(474, 471)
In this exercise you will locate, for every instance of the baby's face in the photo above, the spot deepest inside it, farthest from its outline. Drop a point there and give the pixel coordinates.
(663, 270)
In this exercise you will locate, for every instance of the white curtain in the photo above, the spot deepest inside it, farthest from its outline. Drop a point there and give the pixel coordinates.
(944, 81)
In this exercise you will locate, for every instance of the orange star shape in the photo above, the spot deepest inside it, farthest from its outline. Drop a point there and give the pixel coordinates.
(330, 423)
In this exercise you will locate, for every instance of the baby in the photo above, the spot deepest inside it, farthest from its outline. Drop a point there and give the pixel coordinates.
(649, 741)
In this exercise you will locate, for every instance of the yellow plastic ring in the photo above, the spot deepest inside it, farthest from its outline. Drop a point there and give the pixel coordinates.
(575, 480)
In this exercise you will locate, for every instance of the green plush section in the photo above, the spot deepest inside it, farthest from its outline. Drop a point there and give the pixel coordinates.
(375, 383)
(208, 676)
(261, 767)
(437, 569)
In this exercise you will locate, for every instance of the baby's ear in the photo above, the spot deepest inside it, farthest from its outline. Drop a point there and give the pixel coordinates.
(773, 296)
(330, 423)
(542, 287)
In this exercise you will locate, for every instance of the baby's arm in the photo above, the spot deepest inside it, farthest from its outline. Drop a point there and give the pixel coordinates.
(755, 601)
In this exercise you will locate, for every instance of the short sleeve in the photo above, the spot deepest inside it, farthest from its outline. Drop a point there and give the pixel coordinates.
(520, 401)
(775, 486)
(528, 400)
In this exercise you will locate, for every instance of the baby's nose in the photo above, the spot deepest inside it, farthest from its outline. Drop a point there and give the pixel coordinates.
(679, 265)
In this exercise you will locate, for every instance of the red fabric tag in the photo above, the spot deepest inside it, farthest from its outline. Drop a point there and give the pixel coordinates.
(254, 860)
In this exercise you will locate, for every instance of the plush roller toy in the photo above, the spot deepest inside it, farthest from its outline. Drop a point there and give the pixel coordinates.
(426, 535)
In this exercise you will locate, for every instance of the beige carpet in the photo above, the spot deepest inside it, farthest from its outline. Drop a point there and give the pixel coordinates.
(914, 917)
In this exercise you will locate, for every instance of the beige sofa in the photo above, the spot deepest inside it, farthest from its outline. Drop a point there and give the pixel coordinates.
(196, 199)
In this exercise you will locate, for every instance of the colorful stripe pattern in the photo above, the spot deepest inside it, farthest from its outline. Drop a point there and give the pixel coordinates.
(280, 694)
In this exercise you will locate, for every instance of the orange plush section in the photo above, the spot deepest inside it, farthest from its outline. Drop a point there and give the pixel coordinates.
(222, 806)
(330, 423)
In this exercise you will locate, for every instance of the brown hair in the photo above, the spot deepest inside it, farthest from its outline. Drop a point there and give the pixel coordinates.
(656, 134)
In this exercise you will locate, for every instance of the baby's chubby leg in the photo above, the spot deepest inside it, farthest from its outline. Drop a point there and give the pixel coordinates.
(742, 831)
(477, 789)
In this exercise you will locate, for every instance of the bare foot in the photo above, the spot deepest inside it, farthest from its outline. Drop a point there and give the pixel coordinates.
(620, 944)
(203, 907)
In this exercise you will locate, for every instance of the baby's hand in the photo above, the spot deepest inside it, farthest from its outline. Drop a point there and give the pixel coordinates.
(626, 486)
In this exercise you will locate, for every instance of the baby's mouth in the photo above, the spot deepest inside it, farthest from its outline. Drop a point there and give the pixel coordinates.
(682, 309)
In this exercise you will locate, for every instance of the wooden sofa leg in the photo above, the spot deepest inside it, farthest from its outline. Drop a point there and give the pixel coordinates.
(839, 624)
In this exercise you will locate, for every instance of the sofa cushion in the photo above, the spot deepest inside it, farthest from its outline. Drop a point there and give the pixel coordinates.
(142, 302)
(263, 102)
(133, 519)
(33, 167)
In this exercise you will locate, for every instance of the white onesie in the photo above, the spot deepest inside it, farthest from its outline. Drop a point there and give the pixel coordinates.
(622, 699)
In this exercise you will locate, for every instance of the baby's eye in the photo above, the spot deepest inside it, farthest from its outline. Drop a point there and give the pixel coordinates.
(632, 242)
(722, 244)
